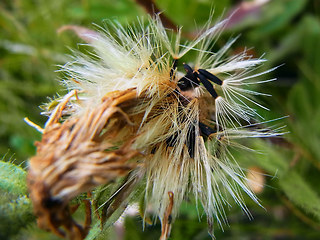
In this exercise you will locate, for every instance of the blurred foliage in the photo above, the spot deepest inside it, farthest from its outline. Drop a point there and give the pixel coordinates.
(285, 31)
(15, 206)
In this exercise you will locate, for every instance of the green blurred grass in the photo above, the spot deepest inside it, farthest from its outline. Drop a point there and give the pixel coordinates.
(286, 31)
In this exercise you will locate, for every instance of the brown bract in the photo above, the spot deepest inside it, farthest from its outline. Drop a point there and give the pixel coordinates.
(79, 154)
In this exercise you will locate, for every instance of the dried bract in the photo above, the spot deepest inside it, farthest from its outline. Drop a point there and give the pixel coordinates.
(77, 155)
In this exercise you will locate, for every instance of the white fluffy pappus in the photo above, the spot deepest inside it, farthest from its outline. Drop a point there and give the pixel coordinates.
(186, 120)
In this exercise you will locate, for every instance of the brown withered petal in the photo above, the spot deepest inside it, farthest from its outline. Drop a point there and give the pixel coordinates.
(74, 157)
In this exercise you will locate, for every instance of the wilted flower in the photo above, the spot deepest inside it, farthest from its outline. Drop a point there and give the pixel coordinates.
(135, 109)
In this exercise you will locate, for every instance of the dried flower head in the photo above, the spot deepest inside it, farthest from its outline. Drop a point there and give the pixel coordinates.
(135, 109)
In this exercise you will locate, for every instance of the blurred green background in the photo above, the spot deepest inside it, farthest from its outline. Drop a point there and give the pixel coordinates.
(284, 31)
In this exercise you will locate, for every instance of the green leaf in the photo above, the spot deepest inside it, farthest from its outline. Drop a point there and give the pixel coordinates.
(14, 215)
(276, 161)
(12, 178)
(189, 13)
(271, 158)
(304, 98)
(279, 14)
(300, 193)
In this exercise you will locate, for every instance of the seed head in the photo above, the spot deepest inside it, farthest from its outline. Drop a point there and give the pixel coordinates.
(135, 109)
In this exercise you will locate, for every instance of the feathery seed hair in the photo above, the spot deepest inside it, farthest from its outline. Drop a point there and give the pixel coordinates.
(135, 109)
